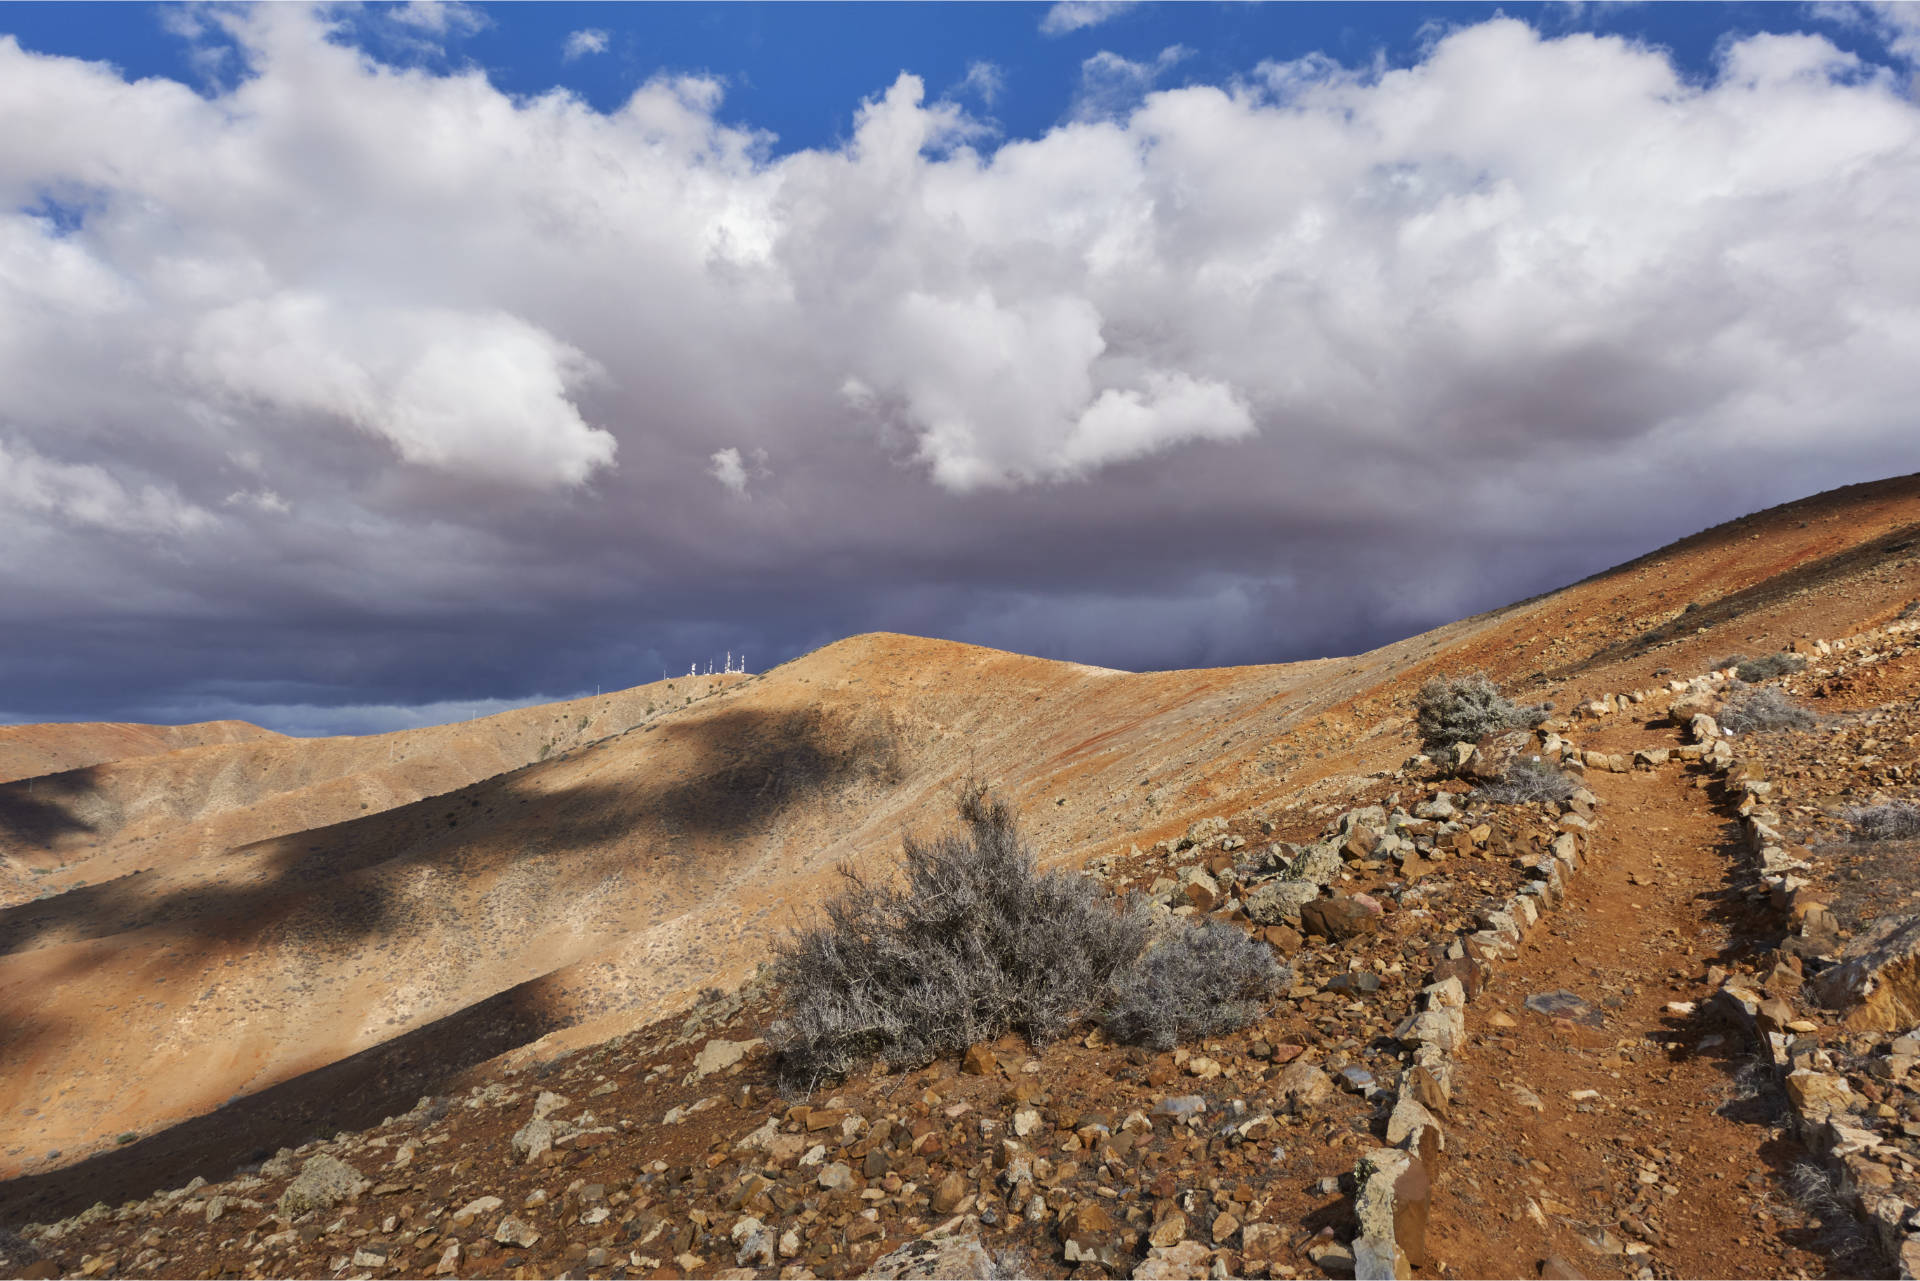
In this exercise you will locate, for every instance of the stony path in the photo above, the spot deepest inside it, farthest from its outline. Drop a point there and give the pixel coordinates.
(1635, 1138)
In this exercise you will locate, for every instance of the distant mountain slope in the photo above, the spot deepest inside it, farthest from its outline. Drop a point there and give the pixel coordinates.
(30, 750)
(273, 928)
(95, 822)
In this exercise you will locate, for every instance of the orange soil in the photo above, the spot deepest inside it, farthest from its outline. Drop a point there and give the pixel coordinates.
(236, 921)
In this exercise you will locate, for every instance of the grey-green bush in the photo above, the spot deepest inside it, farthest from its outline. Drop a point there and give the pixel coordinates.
(1892, 821)
(1196, 982)
(1460, 709)
(974, 941)
(1762, 669)
(16, 1250)
(1752, 708)
(1529, 781)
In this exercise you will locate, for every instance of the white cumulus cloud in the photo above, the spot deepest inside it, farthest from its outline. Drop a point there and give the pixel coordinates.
(1075, 15)
(985, 80)
(440, 17)
(727, 468)
(39, 495)
(1521, 287)
(1111, 85)
(583, 42)
(481, 393)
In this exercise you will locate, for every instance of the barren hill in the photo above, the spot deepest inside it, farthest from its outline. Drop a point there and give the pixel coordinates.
(28, 751)
(249, 931)
(170, 796)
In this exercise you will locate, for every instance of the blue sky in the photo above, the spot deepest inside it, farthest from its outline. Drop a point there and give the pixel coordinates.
(363, 364)
(799, 70)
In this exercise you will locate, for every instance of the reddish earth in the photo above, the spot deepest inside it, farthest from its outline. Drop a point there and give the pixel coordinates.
(1674, 1095)
(254, 938)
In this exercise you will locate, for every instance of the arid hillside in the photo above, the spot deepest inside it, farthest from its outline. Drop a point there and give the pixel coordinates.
(113, 799)
(30, 751)
(220, 945)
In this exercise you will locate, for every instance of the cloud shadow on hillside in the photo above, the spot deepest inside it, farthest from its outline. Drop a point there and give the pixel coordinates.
(741, 770)
(37, 813)
(353, 1094)
(329, 890)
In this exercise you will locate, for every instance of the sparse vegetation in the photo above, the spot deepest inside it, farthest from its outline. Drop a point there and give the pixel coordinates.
(1761, 669)
(1456, 709)
(16, 1250)
(1813, 1192)
(1529, 781)
(1010, 1263)
(975, 941)
(1891, 821)
(1195, 982)
(1751, 708)
(1653, 635)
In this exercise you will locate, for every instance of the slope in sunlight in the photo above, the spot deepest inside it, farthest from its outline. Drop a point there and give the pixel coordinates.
(235, 915)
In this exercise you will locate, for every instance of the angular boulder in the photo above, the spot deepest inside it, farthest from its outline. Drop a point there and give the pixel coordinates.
(323, 1182)
(717, 1056)
(1186, 1261)
(533, 1140)
(1318, 863)
(934, 1258)
(1876, 985)
(1278, 902)
(1392, 1208)
(1303, 1086)
(1337, 919)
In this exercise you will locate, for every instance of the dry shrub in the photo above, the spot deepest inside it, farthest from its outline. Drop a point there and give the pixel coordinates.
(1761, 669)
(1196, 982)
(1842, 1235)
(1463, 709)
(1749, 709)
(1891, 821)
(16, 1250)
(974, 941)
(1528, 781)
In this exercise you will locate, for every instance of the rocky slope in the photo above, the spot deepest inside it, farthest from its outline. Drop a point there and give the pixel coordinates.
(330, 977)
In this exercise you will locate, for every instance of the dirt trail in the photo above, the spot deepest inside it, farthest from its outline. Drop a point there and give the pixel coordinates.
(1675, 1165)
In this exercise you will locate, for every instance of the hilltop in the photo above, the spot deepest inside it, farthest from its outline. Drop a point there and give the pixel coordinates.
(223, 942)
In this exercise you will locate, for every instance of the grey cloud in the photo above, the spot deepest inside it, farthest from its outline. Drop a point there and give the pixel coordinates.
(525, 396)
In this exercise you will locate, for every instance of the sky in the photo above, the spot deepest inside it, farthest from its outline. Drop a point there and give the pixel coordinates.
(371, 366)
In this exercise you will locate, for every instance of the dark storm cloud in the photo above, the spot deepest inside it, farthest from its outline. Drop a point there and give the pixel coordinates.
(353, 396)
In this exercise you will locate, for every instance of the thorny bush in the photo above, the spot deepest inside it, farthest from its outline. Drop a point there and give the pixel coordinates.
(1461, 709)
(1197, 981)
(1891, 821)
(1529, 781)
(1760, 669)
(974, 941)
(1751, 708)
